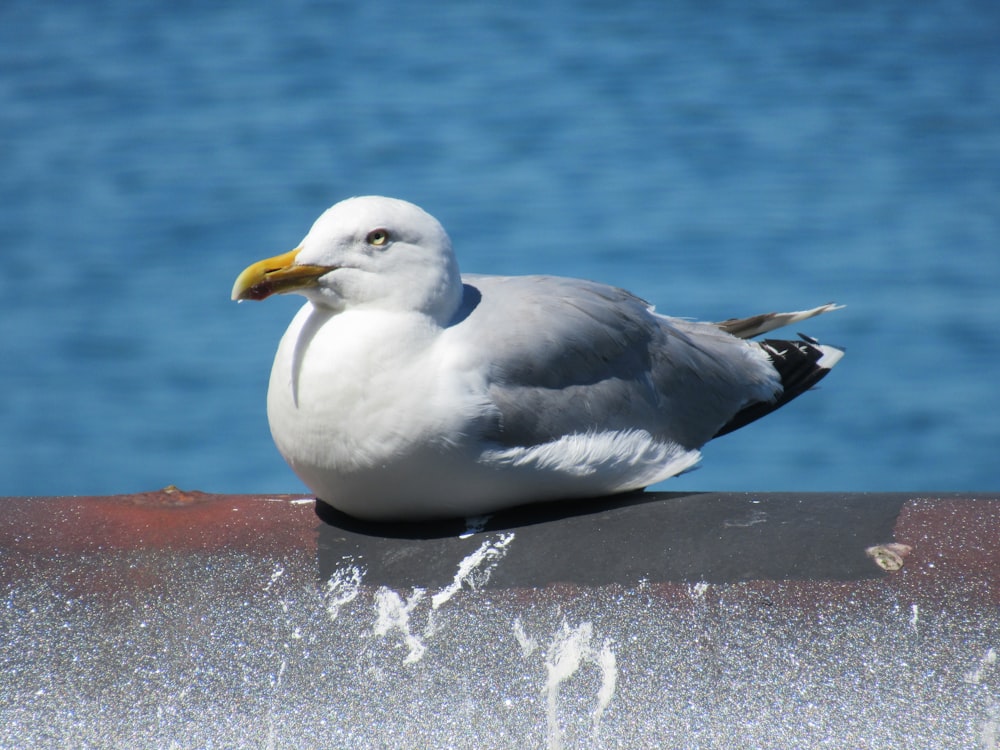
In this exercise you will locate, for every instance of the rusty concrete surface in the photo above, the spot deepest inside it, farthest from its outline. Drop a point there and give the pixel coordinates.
(180, 619)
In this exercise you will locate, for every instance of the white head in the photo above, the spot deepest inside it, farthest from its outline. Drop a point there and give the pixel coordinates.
(370, 251)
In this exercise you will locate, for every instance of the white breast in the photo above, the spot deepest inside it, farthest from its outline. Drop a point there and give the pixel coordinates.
(359, 400)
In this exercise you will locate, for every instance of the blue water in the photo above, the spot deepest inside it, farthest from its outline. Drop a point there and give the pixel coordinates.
(718, 161)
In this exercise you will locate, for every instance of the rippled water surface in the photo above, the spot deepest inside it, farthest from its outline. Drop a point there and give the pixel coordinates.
(719, 162)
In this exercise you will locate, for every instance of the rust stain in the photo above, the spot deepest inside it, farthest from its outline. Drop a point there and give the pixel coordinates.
(169, 497)
(954, 543)
(170, 518)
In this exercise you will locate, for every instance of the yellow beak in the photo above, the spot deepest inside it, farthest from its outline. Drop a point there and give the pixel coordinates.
(276, 275)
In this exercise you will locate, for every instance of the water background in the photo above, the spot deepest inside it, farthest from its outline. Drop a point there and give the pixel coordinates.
(717, 159)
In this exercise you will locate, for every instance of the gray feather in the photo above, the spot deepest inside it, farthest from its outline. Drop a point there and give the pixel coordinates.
(562, 353)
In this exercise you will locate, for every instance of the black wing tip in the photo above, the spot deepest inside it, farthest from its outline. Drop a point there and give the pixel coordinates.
(800, 364)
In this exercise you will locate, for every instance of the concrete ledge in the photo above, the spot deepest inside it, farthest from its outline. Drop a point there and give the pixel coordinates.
(180, 619)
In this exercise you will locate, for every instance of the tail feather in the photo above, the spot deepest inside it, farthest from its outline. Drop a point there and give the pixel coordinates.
(800, 365)
(747, 328)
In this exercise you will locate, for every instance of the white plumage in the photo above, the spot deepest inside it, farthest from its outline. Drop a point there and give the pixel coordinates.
(403, 390)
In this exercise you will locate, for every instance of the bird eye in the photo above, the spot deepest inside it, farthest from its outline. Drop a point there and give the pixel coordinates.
(378, 237)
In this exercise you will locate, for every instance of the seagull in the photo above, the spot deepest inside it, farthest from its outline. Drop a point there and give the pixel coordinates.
(404, 390)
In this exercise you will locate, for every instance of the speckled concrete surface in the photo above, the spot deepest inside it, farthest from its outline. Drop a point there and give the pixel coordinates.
(183, 620)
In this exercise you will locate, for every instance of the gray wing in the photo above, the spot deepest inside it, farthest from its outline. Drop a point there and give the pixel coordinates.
(567, 356)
